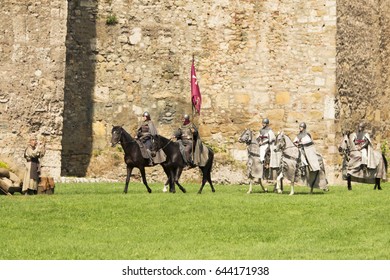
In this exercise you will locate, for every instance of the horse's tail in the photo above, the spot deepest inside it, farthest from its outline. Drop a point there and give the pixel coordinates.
(385, 161)
(211, 158)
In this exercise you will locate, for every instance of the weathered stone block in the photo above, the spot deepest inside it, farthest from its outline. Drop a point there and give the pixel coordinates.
(282, 98)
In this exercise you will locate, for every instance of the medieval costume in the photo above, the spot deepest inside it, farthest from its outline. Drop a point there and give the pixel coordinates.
(362, 142)
(308, 154)
(146, 135)
(266, 141)
(364, 163)
(191, 146)
(147, 131)
(33, 168)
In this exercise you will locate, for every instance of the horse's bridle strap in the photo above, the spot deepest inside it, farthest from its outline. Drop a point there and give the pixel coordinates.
(253, 154)
(289, 157)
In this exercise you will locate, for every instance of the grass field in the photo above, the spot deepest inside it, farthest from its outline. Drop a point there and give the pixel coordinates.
(98, 222)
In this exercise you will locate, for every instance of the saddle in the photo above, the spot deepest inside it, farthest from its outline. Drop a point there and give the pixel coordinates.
(158, 157)
(144, 151)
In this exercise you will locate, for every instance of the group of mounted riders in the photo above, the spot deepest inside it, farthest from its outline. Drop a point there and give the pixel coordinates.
(187, 136)
(361, 163)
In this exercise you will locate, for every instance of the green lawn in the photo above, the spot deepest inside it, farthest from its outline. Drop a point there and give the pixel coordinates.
(97, 221)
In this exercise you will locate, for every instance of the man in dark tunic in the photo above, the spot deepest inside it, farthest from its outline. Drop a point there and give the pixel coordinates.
(186, 135)
(147, 131)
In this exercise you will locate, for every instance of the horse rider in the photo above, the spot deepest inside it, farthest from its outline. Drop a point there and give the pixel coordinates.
(266, 140)
(363, 144)
(186, 134)
(308, 154)
(146, 132)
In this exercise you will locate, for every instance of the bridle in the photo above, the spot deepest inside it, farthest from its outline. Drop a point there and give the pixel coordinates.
(120, 138)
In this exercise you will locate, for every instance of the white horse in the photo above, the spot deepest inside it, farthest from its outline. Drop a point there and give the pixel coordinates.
(255, 169)
(290, 167)
(351, 168)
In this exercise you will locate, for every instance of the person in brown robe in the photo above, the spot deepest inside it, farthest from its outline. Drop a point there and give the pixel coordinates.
(32, 154)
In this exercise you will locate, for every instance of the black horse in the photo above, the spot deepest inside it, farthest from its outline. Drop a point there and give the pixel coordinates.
(134, 158)
(172, 150)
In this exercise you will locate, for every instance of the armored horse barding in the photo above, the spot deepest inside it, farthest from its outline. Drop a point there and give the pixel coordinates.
(352, 170)
(255, 169)
(290, 167)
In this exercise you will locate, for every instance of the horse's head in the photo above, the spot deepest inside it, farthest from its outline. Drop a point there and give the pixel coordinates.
(246, 136)
(116, 135)
(344, 145)
(280, 142)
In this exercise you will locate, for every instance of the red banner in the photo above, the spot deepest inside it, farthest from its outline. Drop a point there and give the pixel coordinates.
(196, 98)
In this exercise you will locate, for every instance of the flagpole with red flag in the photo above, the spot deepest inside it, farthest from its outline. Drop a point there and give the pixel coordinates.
(196, 98)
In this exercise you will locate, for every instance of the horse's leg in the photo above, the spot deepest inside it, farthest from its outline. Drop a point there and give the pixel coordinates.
(250, 186)
(204, 179)
(129, 170)
(292, 187)
(142, 169)
(314, 181)
(378, 184)
(165, 188)
(349, 185)
(262, 186)
(208, 178)
(279, 183)
(171, 179)
(179, 170)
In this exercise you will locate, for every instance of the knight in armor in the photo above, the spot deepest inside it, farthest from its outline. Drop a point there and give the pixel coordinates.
(363, 144)
(146, 132)
(187, 135)
(308, 154)
(266, 140)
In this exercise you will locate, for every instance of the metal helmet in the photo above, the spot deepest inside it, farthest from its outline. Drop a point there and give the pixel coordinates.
(265, 121)
(147, 115)
(186, 117)
(303, 125)
(362, 125)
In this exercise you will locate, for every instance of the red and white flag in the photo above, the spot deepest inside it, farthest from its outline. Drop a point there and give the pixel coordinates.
(196, 98)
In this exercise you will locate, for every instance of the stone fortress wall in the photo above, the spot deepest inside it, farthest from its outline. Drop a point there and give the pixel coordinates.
(69, 76)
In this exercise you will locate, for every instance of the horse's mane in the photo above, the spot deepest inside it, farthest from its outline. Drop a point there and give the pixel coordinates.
(288, 140)
(290, 148)
(126, 134)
